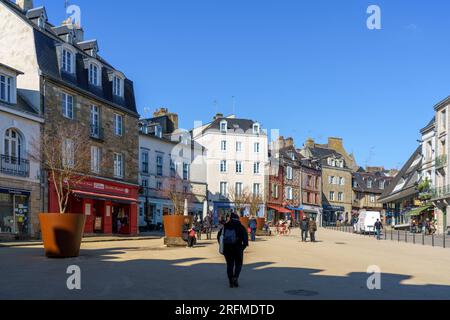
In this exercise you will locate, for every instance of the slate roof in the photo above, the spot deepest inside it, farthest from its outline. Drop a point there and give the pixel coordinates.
(46, 42)
(322, 154)
(408, 174)
(429, 126)
(361, 179)
(232, 124)
(22, 105)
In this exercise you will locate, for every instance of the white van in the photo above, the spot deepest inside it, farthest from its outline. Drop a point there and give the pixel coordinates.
(366, 221)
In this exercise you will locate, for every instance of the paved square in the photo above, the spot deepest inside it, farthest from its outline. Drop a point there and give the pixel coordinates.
(276, 268)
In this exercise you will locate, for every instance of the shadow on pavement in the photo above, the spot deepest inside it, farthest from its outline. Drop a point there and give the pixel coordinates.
(107, 274)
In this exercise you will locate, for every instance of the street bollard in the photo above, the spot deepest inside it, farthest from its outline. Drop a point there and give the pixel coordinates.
(398, 235)
(443, 240)
(406, 237)
(423, 239)
(414, 238)
(392, 235)
(432, 240)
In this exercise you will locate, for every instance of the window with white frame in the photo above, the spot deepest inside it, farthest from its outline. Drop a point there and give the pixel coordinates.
(331, 179)
(224, 126)
(275, 191)
(289, 173)
(382, 184)
(239, 188)
(372, 198)
(224, 189)
(331, 195)
(369, 183)
(341, 181)
(159, 165)
(144, 183)
(173, 170)
(223, 145)
(118, 165)
(186, 171)
(95, 159)
(7, 90)
(145, 161)
(67, 105)
(256, 128)
(256, 147)
(68, 153)
(223, 166)
(341, 197)
(238, 146)
(256, 189)
(239, 167)
(117, 86)
(289, 193)
(257, 168)
(94, 74)
(67, 60)
(118, 125)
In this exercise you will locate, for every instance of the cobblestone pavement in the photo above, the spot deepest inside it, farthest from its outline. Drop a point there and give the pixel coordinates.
(276, 268)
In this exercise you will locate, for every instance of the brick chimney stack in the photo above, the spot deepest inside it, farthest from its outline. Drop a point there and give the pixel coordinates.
(281, 142)
(25, 5)
(310, 143)
(164, 112)
(289, 142)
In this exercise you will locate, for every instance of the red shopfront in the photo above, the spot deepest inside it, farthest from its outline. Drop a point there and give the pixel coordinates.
(110, 207)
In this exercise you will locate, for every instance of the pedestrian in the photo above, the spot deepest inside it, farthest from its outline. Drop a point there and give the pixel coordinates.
(233, 238)
(304, 227)
(312, 226)
(253, 224)
(192, 237)
(378, 228)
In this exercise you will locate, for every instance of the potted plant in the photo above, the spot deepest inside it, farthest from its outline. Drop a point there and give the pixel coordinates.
(64, 153)
(174, 222)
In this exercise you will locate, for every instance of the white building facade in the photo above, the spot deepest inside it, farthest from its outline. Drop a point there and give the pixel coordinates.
(236, 160)
(20, 181)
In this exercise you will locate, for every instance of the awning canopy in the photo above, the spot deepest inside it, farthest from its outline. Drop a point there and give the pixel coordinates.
(102, 196)
(418, 211)
(295, 208)
(279, 209)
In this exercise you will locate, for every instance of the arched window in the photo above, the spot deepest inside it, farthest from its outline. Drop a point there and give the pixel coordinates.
(13, 148)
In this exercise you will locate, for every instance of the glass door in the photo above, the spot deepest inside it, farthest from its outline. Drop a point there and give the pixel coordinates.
(6, 213)
(21, 212)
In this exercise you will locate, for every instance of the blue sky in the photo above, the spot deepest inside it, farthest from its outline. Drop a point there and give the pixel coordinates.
(309, 68)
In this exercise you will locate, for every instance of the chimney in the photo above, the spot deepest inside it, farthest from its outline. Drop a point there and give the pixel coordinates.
(218, 116)
(161, 112)
(25, 5)
(79, 34)
(336, 144)
(281, 142)
(310, 143)
(289, 142)
(173, 117)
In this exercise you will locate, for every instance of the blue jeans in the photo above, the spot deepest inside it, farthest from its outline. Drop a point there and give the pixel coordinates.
(378, 234)
(253, 235)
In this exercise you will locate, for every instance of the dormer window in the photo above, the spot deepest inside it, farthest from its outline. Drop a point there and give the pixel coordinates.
(94, 74)
(158, 131)
(7, 89)
(224, 126)
(67, 60)
(256, 128)
(41, 22)
(117, 86)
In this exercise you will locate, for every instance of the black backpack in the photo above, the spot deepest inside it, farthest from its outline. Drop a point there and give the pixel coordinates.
(229, 236)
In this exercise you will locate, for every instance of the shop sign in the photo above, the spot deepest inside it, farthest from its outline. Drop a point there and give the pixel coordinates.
(15, 192)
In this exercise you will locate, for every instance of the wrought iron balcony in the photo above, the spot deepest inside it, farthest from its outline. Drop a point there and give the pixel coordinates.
(440, 193)
(441, 161)
(97, 132)
(14, 166)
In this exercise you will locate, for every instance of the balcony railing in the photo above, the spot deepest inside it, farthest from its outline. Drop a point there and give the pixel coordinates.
(441, 161)
(97, 132)
(14, 166)
(441, 192)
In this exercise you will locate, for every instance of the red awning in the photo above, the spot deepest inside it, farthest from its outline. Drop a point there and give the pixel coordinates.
(280, 209)
(103, 196)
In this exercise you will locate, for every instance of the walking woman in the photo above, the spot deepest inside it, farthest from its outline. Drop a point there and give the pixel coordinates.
(233, 239)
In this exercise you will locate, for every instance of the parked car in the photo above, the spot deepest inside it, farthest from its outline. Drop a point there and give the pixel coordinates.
(366, 221)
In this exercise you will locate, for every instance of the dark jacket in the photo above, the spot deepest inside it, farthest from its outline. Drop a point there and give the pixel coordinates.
(304, 225)
(312, 226)
(253, 224)
(241, 233)
(378, 225)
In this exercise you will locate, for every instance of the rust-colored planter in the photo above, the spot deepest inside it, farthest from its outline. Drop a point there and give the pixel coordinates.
(245, 222)
(260, 222)
(62, 234)
(173, 225)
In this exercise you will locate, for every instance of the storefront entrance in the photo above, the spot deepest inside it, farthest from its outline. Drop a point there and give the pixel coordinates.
(14, 211)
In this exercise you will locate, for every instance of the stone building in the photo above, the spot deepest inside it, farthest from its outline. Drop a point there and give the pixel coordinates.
(67, 81)
(337, 171)
(169, 161)
(311, 188)
(21, 195)
(368, 185)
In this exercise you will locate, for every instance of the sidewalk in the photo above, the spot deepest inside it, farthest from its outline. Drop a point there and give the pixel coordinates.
(87, 239)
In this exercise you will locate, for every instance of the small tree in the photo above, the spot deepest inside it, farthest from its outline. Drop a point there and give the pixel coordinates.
(64, 152)
(255, 202)
(239, 199)
(178, 196)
